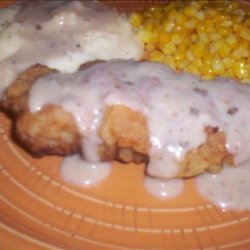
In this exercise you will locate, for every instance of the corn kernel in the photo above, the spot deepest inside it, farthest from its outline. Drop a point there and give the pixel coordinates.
(192, 69)
(224, 51)
(182, 65)
(200, 27)
(194, 38)
(149, 24)
(183, 46)
(176, 38)
(229, 73)
(157, 56)
(246, 22)
(150, 47)
(147, 36)
(168, 26)
(215, 47)
(198, 63)
(221, 16)
(227, 23)
(179, 55)
(239, 13)
(215, 36)
(190, 55)
(200, 15)
(228, 62)
(232, 41)
(164, 38)
(245, 34)
(181, 19)
(136, 19)
(207, 61)
(189, 11)
(157, 13)
(211, 13)
(195, 5)
(178, 28)
(169, 49)
(241, 69)
(169, 60)
(217, 66)
(190, 23)
(198, 50)
(239, 53)
(209, 25)
(203, 37)
(233, 5)
(224, 31)
(172, 15)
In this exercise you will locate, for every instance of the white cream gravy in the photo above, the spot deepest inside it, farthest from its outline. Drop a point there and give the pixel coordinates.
(62, 35)
(178, 107)
(229, 189)
(164, 189)
(82, 173)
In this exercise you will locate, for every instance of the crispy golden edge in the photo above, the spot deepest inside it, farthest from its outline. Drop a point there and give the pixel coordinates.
(209, 157)
(16, 95)
(50, 131)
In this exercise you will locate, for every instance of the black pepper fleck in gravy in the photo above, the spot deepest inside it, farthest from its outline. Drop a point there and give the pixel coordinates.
(200, 91)
(128, 83)
(38, 27)
(52, 45)
(194, 111)
(4, 24)
(232, 110)
(184, 144)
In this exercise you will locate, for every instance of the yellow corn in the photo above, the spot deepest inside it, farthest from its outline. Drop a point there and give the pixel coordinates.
(157, 56)
(198, 50)
(205, 37)
(136, 19)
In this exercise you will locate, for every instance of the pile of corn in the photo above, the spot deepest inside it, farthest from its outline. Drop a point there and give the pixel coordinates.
(207, 38)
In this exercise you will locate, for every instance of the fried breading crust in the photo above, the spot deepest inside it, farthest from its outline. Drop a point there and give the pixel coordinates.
(124, 132)
(50, 131)
(16, 95)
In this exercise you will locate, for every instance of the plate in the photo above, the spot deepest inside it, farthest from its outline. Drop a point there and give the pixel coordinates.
(39, 210)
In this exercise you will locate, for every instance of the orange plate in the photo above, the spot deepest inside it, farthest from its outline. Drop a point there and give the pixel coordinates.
(38, 210)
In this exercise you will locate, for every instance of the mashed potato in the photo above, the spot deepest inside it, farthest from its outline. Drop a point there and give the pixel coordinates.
(62, 35)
